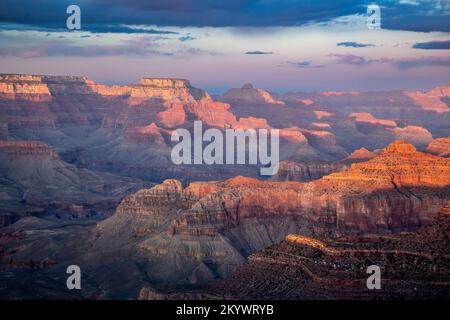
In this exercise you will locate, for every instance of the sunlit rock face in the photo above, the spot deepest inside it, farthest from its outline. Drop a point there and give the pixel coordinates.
(126, 129)
(210, 227)
(440, 147)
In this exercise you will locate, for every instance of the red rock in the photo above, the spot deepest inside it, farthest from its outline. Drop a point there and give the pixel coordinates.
(367, 117)
(440, 147)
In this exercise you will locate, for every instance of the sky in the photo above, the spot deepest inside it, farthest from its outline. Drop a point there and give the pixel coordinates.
(278, 45)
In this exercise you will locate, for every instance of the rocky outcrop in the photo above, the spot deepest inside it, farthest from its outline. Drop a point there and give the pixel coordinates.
(304, 172)
(27, 148)
(440, 147)
(308, 171)
(248, 94)
(368, 118)
(359, 155)
(416, 264)
(428, 110)
(126, 129)
(431, 100)
(35, 181)
(210, 227)
(415, 135)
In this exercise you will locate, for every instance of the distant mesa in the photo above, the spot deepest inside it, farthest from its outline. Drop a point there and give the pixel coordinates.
(361, 154)
(432, 100)
(322, 114)
(28, 86)
(340, 93)
(248, 94)
(416, 135)
(369, 118)
(440, 147)
(306, 102)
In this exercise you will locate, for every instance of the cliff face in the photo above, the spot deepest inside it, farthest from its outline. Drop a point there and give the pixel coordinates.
(309, 171)
(210, 227)
(27, 148)
(416, 264)
(440, 147)
(305, 172)
(35, 181)
(126, 129)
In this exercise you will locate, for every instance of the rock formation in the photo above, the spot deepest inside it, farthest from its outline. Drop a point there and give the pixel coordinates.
(210, 227)
(414, 266)
(35, 181)
(249, 95)
(440, 147)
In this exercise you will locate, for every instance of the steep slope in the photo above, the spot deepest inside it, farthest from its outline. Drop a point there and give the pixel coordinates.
(440, 147)
(308, 171)
(429, 110)
(35, 181)
(414, 266)
(249, 94)
(209, 228)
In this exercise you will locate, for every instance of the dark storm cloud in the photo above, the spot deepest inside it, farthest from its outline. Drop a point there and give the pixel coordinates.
(432, 45)
(428, 15)
(94, 28)
(354, 44)
(258, 52)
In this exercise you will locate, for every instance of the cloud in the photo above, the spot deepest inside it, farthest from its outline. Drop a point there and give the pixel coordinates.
(354, 44)
(186, 38)
(300, 64)
(422, 62)
(432, 45)
(350, 59)
(400, 15)
(258, 52)
(404, 64)
(141, 46)
(93, 28)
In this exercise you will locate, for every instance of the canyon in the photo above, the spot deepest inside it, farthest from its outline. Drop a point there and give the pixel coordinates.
(170, 236)
(87, 179)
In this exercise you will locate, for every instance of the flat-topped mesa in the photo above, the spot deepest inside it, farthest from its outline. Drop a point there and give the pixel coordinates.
(42, 87)
(21, 84)
(26, 148)
(36, 86)
(169, 89)
(366, 117)
(248, 94)
(165, 83)
(42, 78)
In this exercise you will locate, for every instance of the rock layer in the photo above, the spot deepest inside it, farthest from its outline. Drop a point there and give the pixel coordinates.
(210, 227)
